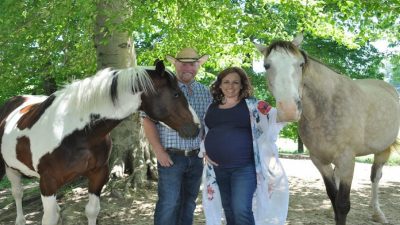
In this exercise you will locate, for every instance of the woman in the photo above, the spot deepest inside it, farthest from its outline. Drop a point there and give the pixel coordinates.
(242, 172)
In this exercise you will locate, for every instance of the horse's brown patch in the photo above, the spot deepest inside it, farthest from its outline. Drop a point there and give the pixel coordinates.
(23, 151)
(5, 110)
(84, 152)
(10, 106)
(27, 108)
(32, 113)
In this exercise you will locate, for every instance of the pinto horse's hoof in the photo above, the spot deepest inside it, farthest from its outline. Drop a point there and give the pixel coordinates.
(20, 221)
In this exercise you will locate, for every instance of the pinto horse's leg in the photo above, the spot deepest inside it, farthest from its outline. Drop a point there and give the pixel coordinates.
(17, 192)
(376, 173)
(51, 210)
(97, 179)
(48, 188)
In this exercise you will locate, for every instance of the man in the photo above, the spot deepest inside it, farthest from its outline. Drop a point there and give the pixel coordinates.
(179, 167)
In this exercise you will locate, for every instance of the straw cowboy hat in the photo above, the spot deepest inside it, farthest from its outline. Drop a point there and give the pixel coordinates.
(187, 55)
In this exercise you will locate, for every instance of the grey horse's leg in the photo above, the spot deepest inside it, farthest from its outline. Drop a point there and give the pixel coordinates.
(345, 170)
(338, 184)
(327, 173)
(376, 173)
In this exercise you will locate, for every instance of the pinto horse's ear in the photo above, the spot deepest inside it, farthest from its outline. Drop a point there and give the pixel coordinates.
(160, 67)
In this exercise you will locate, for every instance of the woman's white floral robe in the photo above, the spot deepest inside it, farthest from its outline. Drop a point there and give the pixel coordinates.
(271, 198)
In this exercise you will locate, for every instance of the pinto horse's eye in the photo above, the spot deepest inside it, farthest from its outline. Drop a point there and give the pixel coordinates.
(267, 66)
(302, 65)
(176, 95)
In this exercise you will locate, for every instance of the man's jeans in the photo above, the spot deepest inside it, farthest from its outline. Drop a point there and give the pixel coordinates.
(178, 187)
(237, 186)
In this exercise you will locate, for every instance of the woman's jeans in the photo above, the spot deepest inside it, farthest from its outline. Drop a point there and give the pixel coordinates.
(178, 187)
(237, 186)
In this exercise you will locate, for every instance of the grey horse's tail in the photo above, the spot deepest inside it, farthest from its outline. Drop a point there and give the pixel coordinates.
(396, 145)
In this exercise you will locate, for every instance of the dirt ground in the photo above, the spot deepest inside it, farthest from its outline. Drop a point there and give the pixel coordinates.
(309, 204)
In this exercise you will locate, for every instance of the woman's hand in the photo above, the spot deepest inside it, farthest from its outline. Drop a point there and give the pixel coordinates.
(207, 159)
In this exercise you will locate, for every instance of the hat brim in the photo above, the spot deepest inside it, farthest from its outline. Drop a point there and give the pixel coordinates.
(200, 60)
(187, 59)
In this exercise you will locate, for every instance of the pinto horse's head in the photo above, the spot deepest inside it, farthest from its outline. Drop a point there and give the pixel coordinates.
(168, 103)
(284, 63)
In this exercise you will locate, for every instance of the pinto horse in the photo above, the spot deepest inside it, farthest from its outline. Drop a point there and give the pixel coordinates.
(66, 135)
(339, 118)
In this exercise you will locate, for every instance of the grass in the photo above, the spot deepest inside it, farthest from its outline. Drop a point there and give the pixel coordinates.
(288, 148)
(394, 159)
(5, 183)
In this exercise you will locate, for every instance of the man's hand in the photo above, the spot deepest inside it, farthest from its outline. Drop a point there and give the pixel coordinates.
(163, 158)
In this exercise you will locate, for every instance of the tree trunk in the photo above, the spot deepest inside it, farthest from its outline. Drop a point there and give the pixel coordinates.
(115, 49)
(300, 145)
(49, 85)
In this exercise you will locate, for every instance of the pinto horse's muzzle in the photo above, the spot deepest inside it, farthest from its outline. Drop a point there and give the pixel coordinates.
(189, 130)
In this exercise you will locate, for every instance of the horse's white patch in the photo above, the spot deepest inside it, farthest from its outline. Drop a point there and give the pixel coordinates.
(51, 210)
(194, 114)
(284, 74)
(92, 209)
(11, 133)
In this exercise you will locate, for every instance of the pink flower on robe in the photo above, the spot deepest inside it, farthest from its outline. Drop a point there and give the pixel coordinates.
(210, 192)
(263, 107)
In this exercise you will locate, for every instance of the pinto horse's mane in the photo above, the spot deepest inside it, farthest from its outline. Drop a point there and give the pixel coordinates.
(106, 87)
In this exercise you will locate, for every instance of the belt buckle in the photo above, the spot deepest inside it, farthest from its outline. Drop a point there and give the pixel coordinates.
(187, 153)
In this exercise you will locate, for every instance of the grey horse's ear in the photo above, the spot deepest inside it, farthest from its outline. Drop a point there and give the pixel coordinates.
(298, 39)
(261, 48)
(203, 59)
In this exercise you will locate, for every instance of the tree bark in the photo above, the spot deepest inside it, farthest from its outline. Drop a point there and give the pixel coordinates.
(115, 49)
(49, 85)
(300, 145)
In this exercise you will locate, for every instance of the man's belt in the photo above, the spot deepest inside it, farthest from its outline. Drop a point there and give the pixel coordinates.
(193, 152)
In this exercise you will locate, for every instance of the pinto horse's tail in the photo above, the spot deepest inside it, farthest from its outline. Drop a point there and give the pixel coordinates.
(2, 167)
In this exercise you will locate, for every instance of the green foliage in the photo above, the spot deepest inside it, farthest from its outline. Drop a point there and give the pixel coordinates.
(395, 73)
(41, 39)
(359, 63)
